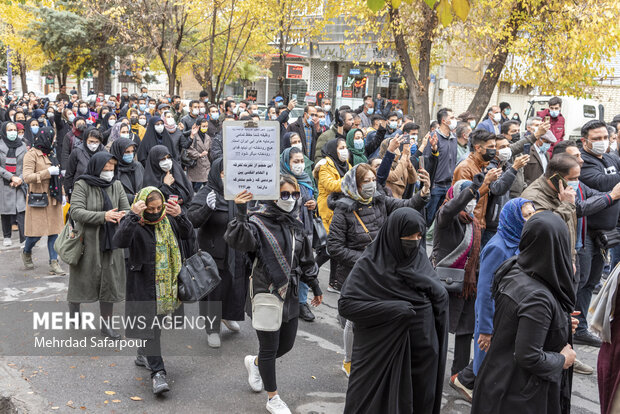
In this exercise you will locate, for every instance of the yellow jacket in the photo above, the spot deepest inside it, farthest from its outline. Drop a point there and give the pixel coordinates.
(328, 181)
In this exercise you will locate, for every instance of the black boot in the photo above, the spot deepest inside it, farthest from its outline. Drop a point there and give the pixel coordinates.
(305, 313)
(105, 309)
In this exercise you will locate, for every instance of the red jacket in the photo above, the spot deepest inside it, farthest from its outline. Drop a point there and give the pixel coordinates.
(557, 126)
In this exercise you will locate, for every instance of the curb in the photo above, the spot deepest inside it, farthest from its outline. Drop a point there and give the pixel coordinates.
(17, 395)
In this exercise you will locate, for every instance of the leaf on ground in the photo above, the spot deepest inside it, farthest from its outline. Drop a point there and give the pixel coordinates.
(106, 382)
(138, 378)
(135, 398)
(82, 377)
(55, 408)
(112, 364)
(110, 392)
(72, 366)
(116, 401)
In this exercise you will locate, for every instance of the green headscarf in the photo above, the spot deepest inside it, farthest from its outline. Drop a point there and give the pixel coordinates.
(358, 155)
(167, 258)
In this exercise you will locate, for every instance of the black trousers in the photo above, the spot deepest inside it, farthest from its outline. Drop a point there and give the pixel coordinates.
(323, 257)
(462, 351)
(7, 224)
(152, 351)
(272, 345)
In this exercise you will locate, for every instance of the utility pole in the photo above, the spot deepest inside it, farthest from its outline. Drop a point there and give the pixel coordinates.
(9, 69)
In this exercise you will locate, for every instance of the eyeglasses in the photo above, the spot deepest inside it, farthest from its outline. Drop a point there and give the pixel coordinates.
(285, 195)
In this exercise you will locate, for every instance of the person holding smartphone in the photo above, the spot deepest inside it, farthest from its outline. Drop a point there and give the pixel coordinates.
(539, 157)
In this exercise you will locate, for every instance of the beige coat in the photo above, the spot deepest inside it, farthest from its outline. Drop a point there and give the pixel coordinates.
(41, 221)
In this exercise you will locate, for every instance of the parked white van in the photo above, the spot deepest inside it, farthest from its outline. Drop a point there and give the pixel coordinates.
(576, 112)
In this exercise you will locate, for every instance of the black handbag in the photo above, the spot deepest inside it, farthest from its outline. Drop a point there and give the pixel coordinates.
(186, 160)
(319, 234)
(198, 277)
(38, 200)
(451, 279)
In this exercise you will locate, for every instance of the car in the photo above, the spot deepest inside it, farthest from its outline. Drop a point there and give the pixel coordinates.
(295, 113)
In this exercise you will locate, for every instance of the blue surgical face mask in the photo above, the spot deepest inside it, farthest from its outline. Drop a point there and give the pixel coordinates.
(142, 107)
(554, 114)
(472, 124)
(11, 135)
(128, 158)
(574, 184)
(370, 111)
(322, 122)
(545, 147)
(215, 116)
(34, 129)
(414, 148)
(310, 121)
(358, 144)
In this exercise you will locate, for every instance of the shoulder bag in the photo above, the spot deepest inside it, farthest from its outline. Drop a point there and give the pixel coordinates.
(186, 160)
(70, 244)
(198, 277)
(38, 200)
(319, 234)
(267, 307)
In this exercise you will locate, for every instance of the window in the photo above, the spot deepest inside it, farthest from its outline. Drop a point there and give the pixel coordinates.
(589, 111)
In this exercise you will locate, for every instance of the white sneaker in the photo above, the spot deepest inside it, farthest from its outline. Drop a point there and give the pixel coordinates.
(231, 325)
(277, 406)
(213, 340)
(254, 379)
(7, 242)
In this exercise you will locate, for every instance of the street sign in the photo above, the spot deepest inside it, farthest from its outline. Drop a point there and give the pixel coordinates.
(251, 95)
(355, 71)
(294, 72)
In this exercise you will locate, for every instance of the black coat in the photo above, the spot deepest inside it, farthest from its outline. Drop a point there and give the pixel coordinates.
(347, 238)
(140, 296)
(523, 370)
(76, 166)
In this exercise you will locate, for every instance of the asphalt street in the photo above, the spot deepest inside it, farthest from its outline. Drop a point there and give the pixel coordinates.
(310, 379)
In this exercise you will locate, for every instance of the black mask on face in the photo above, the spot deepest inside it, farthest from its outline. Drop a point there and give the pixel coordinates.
(409, 246)
(152, 217)
(133, 120)
(489, 154)
(515, 136)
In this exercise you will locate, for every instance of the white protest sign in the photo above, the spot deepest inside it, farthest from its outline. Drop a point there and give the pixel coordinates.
(252, 159)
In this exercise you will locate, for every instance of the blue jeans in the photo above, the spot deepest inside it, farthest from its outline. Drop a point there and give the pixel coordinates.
(437, 196)
(591, 264)
(615, 257)
(303, 292)
(197, 186)
(32, 241)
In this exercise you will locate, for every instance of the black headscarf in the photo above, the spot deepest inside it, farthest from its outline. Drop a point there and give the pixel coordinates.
(104, 126)
(12, 145)
(331, 150)
(44, 141)
(382, 294)
(93, 170)
(130, 175)
(152, 138)
(154, 175)
(545, 255)
(215, 183)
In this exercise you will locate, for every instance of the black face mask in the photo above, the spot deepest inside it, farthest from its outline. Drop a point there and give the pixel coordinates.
(410, 246)
(489, 155)
(515, 136)
(133, 120)
(152, 217)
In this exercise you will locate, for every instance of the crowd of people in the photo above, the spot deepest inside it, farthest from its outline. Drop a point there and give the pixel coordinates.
(521, 230)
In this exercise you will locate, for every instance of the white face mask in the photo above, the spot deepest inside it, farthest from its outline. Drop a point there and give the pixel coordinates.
(453, 124)
(497, 117)
(504, 154)
(286, 205)
(203, 110)
(83, 111)
(298, 145)
(343, 154)
(165, 165)
(613, 146)
(297, 169)
(107, 175)
(471, 206)
(111, 122)
(195, 111)
(326, 108)
(599, 147)
(170, 121)
(126, 135)
(159, 129)
(93, 147)
(142, 122)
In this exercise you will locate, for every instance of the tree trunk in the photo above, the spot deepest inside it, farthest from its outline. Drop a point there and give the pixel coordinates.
(209, 72)
(22, 73)
(282, 64)
(172, 80)
(418, 85)
(79, 86)
(496, 65)
(102, 76)
(178, 87)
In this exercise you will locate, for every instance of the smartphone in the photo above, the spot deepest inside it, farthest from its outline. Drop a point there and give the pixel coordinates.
(407, 139)
(526, 148)
(421, 162)
(173, 199)
(555, 180)
(547, 118)
(294, 97)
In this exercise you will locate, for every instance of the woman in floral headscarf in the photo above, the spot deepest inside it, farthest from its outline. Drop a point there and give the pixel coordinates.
(151, 290)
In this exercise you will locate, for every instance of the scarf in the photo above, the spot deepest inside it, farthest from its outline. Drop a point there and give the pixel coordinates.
(285, 168)
(169, 128)
(602, 310)
(275, 230)
(91, 177)
(130, 174)
(348, 186)
(511, 222)
(467, 254)
(330, 150)
(44, 142)
(11, 159)
(168, 260)
(358, 156)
